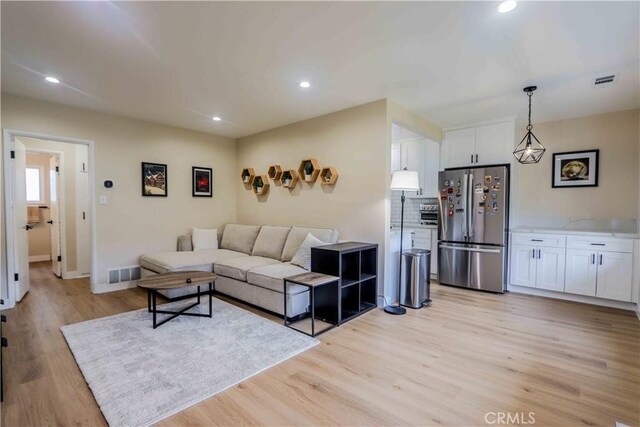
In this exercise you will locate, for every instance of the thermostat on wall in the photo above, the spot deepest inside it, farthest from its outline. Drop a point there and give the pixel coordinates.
(108, 184)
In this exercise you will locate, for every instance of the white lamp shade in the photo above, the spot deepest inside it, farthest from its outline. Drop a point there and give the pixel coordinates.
(405, 180)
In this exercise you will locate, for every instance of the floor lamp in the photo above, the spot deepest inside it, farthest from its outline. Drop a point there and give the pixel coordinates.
(403, 180)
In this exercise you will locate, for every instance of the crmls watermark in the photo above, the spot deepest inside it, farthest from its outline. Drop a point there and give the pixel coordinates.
(510, 418)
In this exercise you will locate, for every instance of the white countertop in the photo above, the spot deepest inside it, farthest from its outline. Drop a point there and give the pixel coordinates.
(410, 226)
(577, 231)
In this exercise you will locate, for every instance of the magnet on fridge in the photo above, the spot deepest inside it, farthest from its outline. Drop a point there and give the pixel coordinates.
(449, 190)
(483, 197)
(485, 189)
(487, 179)
(446, 183)
(450, 213)
(481, 204)
(478, 190)
(495, 206)
(494, 196)
(451, 198)
(459, 184)
(443, 197)
(496, 178)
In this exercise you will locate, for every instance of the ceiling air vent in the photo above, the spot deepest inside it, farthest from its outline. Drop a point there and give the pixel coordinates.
(604, 80)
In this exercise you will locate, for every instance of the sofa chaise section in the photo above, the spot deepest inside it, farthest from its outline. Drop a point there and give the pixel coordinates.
(251, 264)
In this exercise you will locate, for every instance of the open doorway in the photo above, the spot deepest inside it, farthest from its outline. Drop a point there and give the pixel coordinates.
(49, 213)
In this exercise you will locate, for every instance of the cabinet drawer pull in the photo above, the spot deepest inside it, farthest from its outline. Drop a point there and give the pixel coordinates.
(598, 244)
(600, 259)
(472, 158)
(534, 253)
(476, 158)
(537, 240)
(539, 254)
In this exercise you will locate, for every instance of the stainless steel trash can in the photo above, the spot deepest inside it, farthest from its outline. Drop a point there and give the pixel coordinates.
(416, 269)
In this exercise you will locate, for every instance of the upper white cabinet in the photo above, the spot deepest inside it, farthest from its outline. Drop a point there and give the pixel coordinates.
(422, 156)
(479, 145)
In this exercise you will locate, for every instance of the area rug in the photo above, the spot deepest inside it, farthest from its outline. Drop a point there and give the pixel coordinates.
(140, 376)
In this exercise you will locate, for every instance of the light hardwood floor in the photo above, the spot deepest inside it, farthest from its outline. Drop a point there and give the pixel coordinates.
(468, 354)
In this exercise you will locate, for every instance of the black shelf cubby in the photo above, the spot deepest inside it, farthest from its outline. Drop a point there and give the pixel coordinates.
(357, 266)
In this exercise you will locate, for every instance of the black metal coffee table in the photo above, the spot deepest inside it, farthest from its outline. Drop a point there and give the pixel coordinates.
(178, 280)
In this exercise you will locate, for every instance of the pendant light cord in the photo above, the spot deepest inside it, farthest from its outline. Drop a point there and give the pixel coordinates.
(529, 127)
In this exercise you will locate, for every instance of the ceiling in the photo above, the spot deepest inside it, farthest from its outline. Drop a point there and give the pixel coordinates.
(180, 63)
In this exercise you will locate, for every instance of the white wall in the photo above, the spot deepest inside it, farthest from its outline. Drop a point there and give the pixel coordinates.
(130, 225)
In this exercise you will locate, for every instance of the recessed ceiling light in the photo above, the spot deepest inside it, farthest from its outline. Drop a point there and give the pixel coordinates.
(216, 119)
(305, 84)
(507, 6)
(51, 79)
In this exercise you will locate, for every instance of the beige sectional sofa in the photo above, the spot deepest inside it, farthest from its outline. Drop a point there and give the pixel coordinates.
(251, 263)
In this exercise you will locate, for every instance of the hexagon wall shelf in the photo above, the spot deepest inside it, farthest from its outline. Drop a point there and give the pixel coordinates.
(247, 175)
(289, 178)
(328, 175)
(309, 170)
(263, 189)
(275, 172)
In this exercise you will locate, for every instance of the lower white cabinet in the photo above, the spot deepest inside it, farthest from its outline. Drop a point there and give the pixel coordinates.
(581, 272)
(538, 267)
(599, 274)
(600, 267)
(427, 239)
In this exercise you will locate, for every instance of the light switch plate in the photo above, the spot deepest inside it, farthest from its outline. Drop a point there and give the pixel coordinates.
(103, 200)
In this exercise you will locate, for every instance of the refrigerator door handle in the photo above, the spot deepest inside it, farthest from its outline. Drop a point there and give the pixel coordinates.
(469, 208)
(462, 248)
(465, 201)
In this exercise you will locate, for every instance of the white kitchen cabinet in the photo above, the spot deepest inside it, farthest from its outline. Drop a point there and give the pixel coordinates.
(480, 145)
(581, 272)
(458, 148)
(614, 275)
(425, 238)
(523, 265)
(550, 269)
(422, 156)
(538, 267)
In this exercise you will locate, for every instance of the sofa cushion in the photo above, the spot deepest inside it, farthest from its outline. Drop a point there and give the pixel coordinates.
(239, 238)
(302, 258)
(272, 277)
(202, 238)
(298, 234)
(165, 262)
(270, 241)
(237, 268)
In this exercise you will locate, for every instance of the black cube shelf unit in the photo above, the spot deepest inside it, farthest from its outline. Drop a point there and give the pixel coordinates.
(357, 266)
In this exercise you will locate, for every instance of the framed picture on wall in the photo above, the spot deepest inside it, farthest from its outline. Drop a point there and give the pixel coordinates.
(202, 182)
(575, 169)
(154, 179)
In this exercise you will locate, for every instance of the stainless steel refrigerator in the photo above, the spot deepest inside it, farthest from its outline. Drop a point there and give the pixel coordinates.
(473, 227)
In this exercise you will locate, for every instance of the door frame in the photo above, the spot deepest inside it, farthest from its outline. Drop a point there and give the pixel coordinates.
(9, 186)
(62, 199)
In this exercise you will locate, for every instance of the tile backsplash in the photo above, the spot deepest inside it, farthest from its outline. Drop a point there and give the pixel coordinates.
(411, 208)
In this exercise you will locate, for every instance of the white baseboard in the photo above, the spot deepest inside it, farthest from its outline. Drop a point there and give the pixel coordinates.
(39, 258)
(575, 298)
(637, 310)
(102, 288)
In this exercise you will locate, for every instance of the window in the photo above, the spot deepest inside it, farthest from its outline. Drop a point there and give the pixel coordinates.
(35, 185)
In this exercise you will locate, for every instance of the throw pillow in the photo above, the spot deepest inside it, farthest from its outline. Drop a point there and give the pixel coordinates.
(204, 239)
(302, 257)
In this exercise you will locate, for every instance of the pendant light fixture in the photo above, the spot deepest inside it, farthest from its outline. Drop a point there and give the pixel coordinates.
(530, 150)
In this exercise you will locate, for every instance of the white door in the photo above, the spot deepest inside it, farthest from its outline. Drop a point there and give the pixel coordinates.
(523, 265)
(458, 148)
(54, 213)
(614, 275)
(21, 240)
(550, 269)
(494, 143)
(581, 272)
(83, 247)
(431, 168)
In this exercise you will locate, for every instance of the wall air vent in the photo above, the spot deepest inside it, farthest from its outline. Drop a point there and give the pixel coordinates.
(599, 81)
(123, 274)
